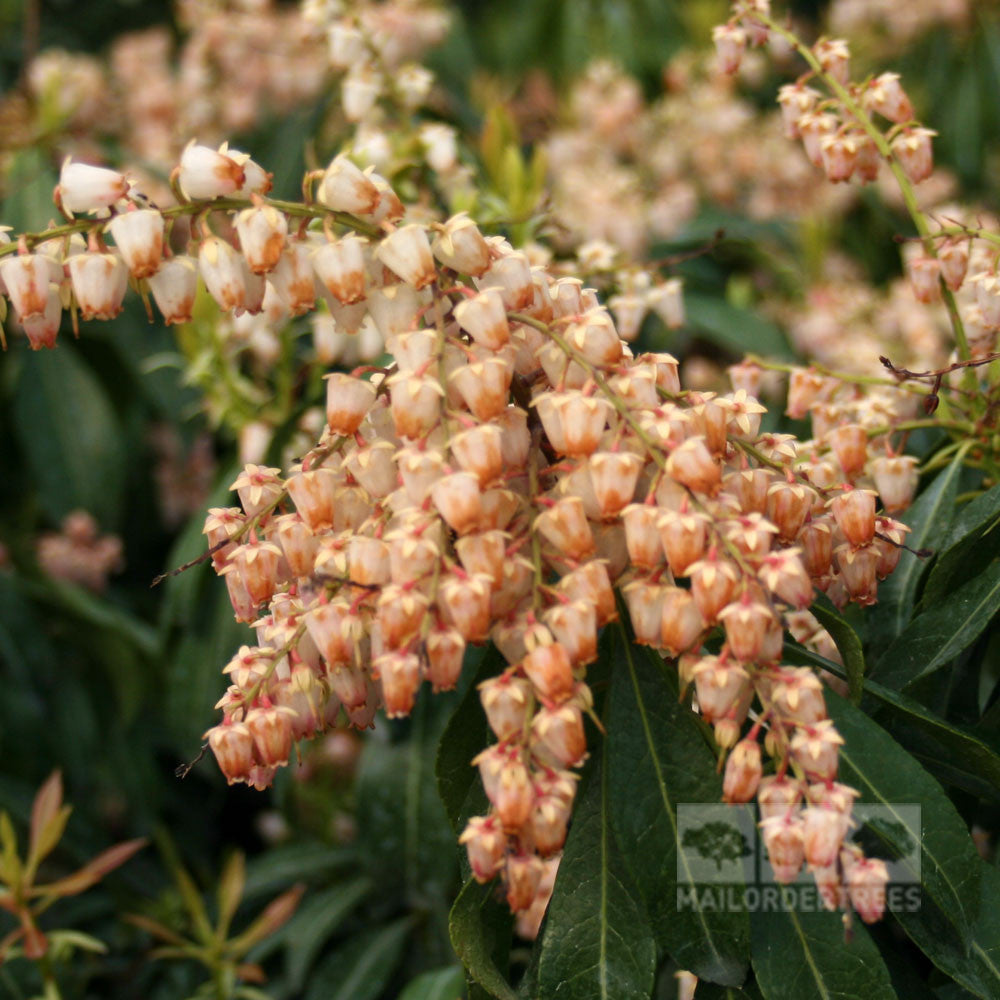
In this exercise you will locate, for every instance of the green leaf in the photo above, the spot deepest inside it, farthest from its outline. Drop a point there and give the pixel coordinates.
(969, 546)
(807, 956)
(872, 762)
(362, 966)
(929, 519)
(597, 943)
(740, 330)
(440, 984)
(847, 641)
(69, 435)
(316, 921)
(942, 632)
(967, 758)
(464, 736)
(657, 758)
(404, 836)
(978, 970)
(479, 927)
(293, 863)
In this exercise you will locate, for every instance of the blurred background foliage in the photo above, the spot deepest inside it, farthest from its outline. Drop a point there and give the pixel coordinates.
(115, 685)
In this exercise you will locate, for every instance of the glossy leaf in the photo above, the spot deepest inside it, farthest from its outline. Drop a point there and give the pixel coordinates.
(970, 759)
(597, 943)
(942, 632)
(361, 967)
(847, 641)
(929, 519)
(873, 763)
(464, 736)
(972, 542)
(802, 955)
(657, 758)
(478, 925)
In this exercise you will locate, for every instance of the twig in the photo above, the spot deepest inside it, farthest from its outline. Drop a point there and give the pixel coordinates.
(183, 770)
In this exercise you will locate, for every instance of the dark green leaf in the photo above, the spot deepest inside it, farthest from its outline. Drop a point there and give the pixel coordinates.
(938, 743)
(479, 925)
(281, 866)
(848, 644)
(929, 519)
(465, 735)
(741, 330)
(315, 921)
(361, 967)
(441, 984)
(872, 762)
(970, 545)
(69, 435)
(597, 944)
(405, 837)
(805, 956)
(657, 758)
(942, 632)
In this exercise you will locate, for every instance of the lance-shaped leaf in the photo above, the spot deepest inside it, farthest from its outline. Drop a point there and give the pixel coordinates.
(949, 872)
(971, 544)
(363, 965)
(806, 955)
(464, 736)
(847, 642)
(957, 754)
(276, 914)
(440, 984)
(480, 927)
(658, 758)
(48, 821)
(941, 632)
(929, 519)
(597, 944)
(92, 872)
(230, 891)
(979, 969)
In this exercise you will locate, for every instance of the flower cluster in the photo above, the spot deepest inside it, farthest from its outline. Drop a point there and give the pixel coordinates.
(508, 477)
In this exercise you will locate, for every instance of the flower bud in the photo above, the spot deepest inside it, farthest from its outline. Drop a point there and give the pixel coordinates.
(778, 796)
(340, 267)
(713, 582)
(866, 882)
(174, 287)
(484, 318)
(557, 737)
(564, 525)
(823, 833)
(139, 237)
(486, 844)
(506, 701)
(746, 622)
(458, 499)
(206, 173)
(407, 253)
(232, 744)
(445, 651)
(100, 281)
(850, 445)
(722, 688)
(574, 626)
(85, 188)
(743, 772)
(692, 465)
(895, 479)
(885, 95)
(854, 512)
(550, 813)
(523, 875)
(783, 838)
(461, 246)
(399, 672)
(550, 671)
(590, 583)
(348, 400)
(344, 188)
(912, 148)
(815, 749)
(271, 729)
